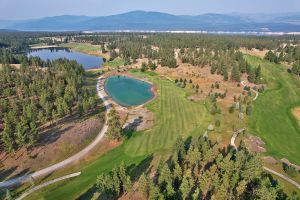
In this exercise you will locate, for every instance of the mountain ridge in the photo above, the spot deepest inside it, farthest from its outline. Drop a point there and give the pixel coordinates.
(158, 21)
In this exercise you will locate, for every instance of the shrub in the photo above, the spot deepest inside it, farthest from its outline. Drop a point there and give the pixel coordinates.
(218, 123)
(231, 109)
(290, 170)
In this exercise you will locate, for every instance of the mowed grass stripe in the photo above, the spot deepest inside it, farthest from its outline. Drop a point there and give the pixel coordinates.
(175, 115)
(272, 119)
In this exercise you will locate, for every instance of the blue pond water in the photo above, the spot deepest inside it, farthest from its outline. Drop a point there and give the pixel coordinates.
(128, 91)
(87, 61)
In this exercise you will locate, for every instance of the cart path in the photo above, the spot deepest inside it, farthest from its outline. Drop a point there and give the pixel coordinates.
(232, 143)
(71, 159)
(25, 194)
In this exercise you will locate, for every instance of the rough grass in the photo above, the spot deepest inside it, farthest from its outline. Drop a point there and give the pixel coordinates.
(83, 47)
(272, 119)
(114, 63)
(175, 115)
(86, 48)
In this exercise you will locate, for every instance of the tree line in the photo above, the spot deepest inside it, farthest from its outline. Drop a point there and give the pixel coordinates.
(198, 169)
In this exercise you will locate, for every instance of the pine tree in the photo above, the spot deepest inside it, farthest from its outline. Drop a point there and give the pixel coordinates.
(258, 74)
(144, 183)
(251, 76)
(114, 125)
(235, 74)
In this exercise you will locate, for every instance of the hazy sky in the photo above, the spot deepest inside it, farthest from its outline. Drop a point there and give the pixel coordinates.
(24, 9)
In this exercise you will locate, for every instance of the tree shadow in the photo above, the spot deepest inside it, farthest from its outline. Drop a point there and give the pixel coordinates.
(21, 173)
(4, 173)
(45, 177)
(51, 136)
(135, 171)
(89, 194)
(134, 124)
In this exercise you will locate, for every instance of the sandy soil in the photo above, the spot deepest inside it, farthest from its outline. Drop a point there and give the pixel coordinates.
(255, 144)
(204, 79)
(56, 144)
(296, 113)
(43, 46)
(270, 160)
(17, 66)
(254, 52)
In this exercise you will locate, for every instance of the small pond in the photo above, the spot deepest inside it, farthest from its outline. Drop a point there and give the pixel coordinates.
(128, 91)
(87, 61)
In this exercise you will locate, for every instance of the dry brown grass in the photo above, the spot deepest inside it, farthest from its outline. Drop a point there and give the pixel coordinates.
(254, 52)
(296, 113)
(204, 79)
(56, 144)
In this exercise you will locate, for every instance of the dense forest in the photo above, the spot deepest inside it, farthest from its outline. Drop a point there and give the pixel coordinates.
(36, 92)
(221, 53)
(198, 169)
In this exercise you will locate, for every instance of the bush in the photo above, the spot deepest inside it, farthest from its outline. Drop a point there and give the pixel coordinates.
(249, 110)
(218, 123)
(231, 109)
(290, 170)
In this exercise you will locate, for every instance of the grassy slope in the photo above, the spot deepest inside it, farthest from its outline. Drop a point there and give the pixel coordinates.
(86, 48)
(83, 47)
(272, 119)
(115, 63)
(174, 116)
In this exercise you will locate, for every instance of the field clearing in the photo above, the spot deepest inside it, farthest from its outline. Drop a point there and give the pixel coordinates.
(86, 48)
(114, 63)
(272, 119)
(175, 115)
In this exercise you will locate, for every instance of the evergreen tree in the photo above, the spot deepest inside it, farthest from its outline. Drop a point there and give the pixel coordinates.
(235, 74)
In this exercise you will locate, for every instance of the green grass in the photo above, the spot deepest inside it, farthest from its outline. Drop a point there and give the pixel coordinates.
(86, 48)
(272, 119)
(83, 47)
(175, 115)
(115, 63)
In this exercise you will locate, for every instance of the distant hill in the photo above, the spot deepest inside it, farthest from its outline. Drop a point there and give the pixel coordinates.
(156, 21)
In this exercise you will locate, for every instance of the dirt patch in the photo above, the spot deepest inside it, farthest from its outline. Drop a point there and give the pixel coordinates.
(296, 113)
(139, 119)
(43, 46)
(254, 52)
(201, 76)
(56, 144)
(17, 66)
(270, 160)
(255, 144)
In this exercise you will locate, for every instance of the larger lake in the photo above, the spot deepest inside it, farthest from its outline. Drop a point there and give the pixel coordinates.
(128, 91)
(87, 61)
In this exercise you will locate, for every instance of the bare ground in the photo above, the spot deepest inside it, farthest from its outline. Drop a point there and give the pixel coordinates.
(255, 144)
(296, 113)
(254, 52)
(57, 143)
(204, 79)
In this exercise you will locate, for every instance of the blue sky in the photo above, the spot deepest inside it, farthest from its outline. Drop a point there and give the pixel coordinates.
(25, 9)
